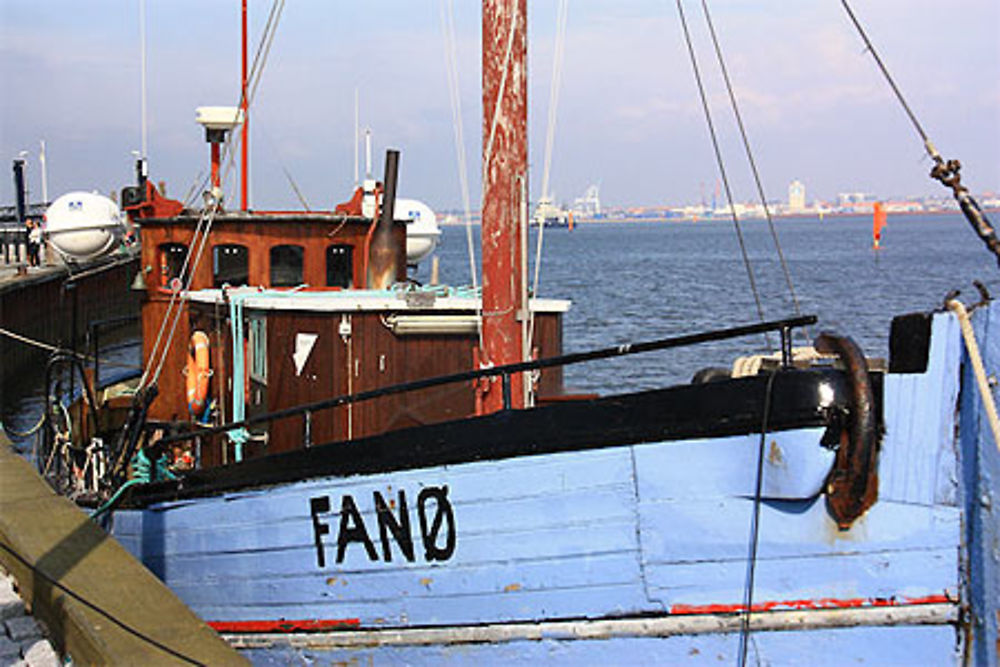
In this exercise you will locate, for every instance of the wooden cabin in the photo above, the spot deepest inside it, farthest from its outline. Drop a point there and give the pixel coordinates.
(311, 331)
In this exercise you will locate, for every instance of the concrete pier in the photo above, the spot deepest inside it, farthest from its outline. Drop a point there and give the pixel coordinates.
(100, 605)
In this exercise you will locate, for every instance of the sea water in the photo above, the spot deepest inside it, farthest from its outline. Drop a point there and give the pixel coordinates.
(634, 281)
(637, 281)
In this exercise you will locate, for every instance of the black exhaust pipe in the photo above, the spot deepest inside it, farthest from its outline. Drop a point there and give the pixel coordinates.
(383, 253)
(20, 191)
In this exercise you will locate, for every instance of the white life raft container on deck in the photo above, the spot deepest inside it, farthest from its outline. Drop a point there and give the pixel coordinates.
(84, 225)
(423, 233)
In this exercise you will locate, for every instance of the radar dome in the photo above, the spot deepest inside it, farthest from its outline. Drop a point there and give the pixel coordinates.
(84, 225)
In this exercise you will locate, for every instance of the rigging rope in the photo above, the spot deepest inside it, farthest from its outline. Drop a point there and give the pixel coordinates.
(947, 172)
(755, 527)
(207, 217)
(721, 165)
(931, 151)
(448, 26)
(752, 162)
(557, 59)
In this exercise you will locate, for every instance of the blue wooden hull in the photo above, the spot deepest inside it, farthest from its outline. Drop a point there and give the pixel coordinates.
(461, 563)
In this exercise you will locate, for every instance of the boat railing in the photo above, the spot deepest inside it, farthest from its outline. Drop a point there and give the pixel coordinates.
(784, 326)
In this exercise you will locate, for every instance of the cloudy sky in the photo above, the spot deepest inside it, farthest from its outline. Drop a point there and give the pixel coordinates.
(628, 117)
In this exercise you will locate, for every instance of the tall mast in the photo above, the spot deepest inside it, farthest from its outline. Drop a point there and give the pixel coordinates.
(246, 118)
(505, 167)
(142, 79)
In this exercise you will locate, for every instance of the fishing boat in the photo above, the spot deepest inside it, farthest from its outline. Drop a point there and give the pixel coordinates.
(327, 461)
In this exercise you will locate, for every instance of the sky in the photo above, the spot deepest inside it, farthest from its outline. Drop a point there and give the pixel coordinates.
(628, 117)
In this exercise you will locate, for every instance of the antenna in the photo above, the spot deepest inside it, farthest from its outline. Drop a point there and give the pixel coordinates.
(356, 138)
(45, 179)
(368, 153)
(142, 78)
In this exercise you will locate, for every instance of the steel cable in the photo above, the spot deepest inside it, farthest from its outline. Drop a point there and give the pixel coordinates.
(721, 164)
(752, 162)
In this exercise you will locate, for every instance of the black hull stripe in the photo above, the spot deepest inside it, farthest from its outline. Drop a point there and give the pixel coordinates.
(714, 409)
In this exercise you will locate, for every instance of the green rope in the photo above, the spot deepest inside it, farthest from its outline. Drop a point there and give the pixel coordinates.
(143, 472)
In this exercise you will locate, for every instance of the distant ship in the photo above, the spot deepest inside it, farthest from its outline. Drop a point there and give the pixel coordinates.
(550, 215)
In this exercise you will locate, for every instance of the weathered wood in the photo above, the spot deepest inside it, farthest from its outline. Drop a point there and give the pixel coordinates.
(259, 233)
(670, 626)
(68, 548)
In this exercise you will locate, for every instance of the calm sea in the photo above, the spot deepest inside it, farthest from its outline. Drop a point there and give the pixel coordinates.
(631, 282)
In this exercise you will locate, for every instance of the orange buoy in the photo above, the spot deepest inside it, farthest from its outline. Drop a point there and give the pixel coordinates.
(198, 372)
(878, 223)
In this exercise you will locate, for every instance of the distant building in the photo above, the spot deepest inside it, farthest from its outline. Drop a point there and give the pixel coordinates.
(850, 199)
(796, 197)
(589, 205)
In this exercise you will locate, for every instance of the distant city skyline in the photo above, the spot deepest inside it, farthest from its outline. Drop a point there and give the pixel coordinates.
(628, 116)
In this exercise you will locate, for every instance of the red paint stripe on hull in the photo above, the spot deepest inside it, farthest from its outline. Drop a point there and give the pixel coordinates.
(320, 625)
(316, 625)
(821, 603)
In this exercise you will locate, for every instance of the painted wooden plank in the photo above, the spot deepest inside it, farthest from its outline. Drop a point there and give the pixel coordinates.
(482, 551)
(795, 466)
(980, 472)
(511, 478)
(257, 523)
(591, 602)
(508, 579)
(719, 529)
(917, 461)
(929, 646)
(660, 626)
(848, 580)
(546, 477)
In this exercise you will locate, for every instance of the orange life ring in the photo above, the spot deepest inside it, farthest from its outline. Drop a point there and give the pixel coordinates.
(198, 372)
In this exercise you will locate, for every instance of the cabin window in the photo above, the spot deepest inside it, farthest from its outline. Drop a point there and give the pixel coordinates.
(171, 262)
(258, 349)
(286, 265)
(230, 265)
(339, 266)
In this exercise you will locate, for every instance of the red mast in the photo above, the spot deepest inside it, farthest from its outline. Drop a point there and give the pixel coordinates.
(505, 171)
(246, 118)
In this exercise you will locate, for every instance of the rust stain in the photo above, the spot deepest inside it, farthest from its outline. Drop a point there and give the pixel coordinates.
(774, 455)
(510, 588)
(331, 581)
(426, 582)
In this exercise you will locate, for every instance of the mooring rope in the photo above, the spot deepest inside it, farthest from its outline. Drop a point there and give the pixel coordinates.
(48, 347)
(978, 368)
